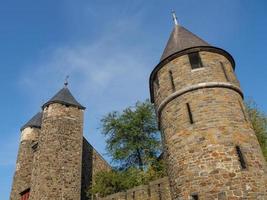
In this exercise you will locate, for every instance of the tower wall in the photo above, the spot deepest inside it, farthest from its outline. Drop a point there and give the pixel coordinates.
(202, 119)
(92, 163)
(58, 172)
(22, 176)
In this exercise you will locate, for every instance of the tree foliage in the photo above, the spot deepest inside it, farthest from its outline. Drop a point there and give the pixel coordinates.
(259, 122)
(110, 182)
(132, 136)
(133, 142)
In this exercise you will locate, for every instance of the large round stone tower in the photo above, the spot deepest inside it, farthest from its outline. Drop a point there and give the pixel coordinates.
(22, 177)
(57, 173)
(211, 149)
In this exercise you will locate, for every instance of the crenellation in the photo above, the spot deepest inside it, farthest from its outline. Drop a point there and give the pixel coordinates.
(155, 190)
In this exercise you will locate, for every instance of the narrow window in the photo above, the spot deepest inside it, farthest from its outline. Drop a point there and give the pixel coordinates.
(172, 82)
(189, 113)
(159, 191)
(195, 60)
(243, 111)
(156, 83)
(149, 192)
(34, 146)
(240, 157)
(133, 195)
(194, 197)
(224, 72)
(25, 194)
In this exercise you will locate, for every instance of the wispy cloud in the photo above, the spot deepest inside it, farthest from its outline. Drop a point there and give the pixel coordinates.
(105, 75)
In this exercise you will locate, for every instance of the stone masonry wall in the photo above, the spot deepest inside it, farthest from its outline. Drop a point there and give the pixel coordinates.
(156, 190)
(201, 156)
(92, 163)
(22, 176)
(58, 175)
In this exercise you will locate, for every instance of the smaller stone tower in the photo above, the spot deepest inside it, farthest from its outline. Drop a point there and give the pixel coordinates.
(22, 178)
(57, 174)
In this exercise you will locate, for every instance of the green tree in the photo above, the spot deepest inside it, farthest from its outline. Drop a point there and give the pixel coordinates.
(259, 123)
(110, 182)
(132, 136)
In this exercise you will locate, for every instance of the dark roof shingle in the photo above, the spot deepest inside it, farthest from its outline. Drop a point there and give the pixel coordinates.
(35, 121)
(64, 97)
(181, 39)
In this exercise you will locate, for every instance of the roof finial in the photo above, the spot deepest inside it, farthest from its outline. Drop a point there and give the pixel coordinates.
(174, 18)
(66, 81)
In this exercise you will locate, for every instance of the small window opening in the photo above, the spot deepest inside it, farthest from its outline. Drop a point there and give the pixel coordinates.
(157, 81)
(194, 197)
(172, 82)
(189, 113)
(34, 146)
(149, 192)
(224, 71)
(243, 111)
(156, 85)
(159, 191)
(25, 194)
(133, 195)
(241, 157)
(195, 60)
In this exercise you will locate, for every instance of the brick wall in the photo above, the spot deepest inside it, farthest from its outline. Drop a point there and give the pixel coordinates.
(156, 190)
(60, 154)
(22, 176)
(201, 152)
(92, 162)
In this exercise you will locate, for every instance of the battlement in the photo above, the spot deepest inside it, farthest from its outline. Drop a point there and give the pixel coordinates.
(155, 190)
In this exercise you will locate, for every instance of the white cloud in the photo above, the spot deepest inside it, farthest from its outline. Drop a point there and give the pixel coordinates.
(106, 75)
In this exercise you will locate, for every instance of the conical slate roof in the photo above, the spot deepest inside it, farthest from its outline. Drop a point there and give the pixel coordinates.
(35, 121)
(181, 39)
(64, 97)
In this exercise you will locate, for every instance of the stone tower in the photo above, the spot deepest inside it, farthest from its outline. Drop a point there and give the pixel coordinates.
(22, 177)
(211, 149)
(57, 168)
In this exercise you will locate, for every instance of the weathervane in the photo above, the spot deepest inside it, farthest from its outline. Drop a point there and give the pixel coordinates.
(174, 18)
(66, 81)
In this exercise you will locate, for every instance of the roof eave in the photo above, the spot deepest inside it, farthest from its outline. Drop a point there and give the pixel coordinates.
(181, 53)
(29, 126)
(63, 103)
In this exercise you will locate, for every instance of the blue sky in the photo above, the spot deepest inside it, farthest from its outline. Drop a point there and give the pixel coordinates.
(109, 49)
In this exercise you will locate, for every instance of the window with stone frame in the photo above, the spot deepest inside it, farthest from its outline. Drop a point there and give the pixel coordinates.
(195, 60)
(190, 115)
(25, 194)
(224, 72)
(159, 191)
(172, 81)
(34, 146)
(156, 85)
(194, 197)
(241, 157)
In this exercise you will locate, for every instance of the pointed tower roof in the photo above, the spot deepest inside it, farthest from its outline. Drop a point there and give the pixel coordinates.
(182, 42)
(35, 121)
(181, 39)
(64, 97)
